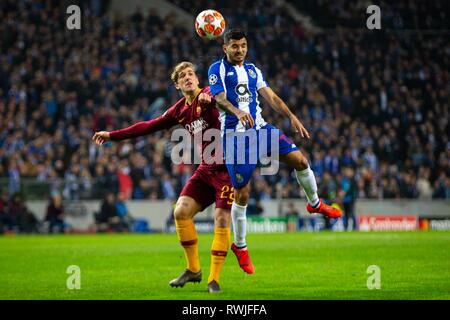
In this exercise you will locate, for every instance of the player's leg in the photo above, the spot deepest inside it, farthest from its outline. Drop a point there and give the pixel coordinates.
(240, 174)
(185, 210)
(195, 197)
(239, 217)
(304, 174)
(219, 247)
(306, 179)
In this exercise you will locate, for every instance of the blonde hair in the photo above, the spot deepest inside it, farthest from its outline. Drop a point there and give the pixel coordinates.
(180, 67)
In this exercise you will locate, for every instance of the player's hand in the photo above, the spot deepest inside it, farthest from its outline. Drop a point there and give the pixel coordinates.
(245, 118)
(298, 127)
(204, 98)
(101, 137)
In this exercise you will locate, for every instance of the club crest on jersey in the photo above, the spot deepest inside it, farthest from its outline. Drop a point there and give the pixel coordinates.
(198, 110)
(239, 178)
(252, 73)
(212, 79)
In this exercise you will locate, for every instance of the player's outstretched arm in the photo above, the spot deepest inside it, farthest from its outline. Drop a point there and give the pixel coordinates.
(101, 137)
(245, 118)
(278, 105)
(139, 129)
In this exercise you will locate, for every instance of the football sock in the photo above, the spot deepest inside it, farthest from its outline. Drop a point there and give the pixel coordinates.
(238, 216)
(188, 238)
(307, 180)
(219, 249)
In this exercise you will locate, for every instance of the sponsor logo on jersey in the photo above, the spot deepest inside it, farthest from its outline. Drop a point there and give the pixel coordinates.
(196, 126)
(244, 99)
(244, 94)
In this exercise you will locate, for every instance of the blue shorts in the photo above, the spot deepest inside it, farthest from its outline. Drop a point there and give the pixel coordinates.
(246, 149)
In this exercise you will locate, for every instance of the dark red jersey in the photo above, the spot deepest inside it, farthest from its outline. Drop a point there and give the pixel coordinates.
(194, 117)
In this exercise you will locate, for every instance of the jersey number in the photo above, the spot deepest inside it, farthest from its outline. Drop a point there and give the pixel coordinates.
(230, 195)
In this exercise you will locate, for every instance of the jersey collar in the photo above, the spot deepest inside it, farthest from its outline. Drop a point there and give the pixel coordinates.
(195, 97)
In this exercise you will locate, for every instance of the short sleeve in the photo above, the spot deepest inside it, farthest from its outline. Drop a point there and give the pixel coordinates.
(261, 81)
(215, 76)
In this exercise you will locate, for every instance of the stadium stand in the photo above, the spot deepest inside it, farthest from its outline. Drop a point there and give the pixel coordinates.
(374, 101)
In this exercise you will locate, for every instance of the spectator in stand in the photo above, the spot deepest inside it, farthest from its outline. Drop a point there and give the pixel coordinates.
(371, 100)
(4, 213)
(15, 210)
(21, 219)
(349, 194)
(14, 178)
(442, 187)
(28, 222)
(292, 211)
(126, 220)
(168, 187)
(112, 180)
(108, 219)
(55, 215)
(292, 214)
(125, 180)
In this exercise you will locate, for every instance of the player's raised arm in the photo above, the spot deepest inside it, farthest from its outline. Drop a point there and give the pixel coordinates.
(245, 118)
(278, 105)
(136, 130)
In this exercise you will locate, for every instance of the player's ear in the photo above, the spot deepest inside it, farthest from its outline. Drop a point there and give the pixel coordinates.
(224, 47)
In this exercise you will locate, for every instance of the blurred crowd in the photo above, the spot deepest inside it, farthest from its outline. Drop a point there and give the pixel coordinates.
(112, 216)
(374, 102)
(399, 15)
(15, 215)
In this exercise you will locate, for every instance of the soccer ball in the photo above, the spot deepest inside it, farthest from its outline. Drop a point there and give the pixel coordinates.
(209, 24)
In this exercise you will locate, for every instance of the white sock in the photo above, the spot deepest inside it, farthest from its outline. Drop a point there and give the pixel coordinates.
(307, 180)
(239, 218)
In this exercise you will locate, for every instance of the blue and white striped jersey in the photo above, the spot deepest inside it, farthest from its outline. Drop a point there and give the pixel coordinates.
(240, 83)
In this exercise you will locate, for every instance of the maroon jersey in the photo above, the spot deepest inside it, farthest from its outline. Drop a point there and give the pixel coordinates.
(210, 182)
(193, 117)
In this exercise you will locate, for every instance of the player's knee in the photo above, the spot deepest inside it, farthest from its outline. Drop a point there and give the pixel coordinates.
(222, 219)
(242, 197)
(302, 163)
(182, 211)
(222, 222)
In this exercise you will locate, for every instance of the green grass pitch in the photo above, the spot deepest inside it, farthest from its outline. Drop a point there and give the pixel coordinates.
(413, 265)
